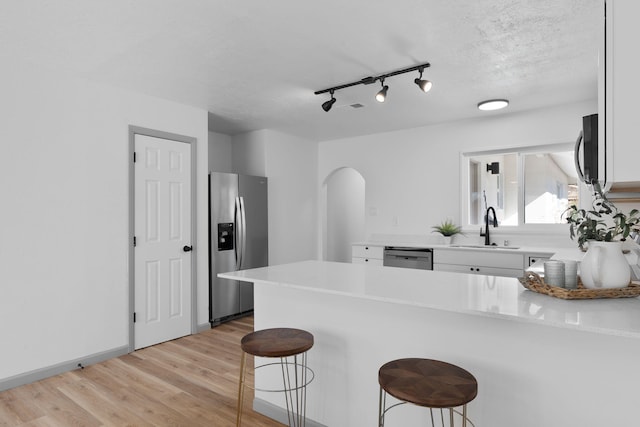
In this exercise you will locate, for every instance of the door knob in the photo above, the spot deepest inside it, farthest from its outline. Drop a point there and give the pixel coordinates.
(187, 248)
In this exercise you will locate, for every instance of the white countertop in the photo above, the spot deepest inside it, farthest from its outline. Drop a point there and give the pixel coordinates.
(497, 297)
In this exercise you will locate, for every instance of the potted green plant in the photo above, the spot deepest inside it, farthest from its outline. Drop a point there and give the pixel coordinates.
(603, 227)
(603, 223)
(447, 229)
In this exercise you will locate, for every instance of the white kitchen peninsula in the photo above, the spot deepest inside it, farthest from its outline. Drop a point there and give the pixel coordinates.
(539, 361)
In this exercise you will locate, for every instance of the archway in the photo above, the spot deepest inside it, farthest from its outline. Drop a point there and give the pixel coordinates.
(344, 213)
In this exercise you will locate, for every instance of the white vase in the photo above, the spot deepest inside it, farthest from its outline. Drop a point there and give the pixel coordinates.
(447, 239)
(604, 266)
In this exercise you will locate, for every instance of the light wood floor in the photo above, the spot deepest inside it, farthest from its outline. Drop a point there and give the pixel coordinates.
(191, 381)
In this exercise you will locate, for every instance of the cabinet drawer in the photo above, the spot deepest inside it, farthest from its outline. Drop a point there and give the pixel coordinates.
(478, 258)
(487, 271)
(365, 251)
(368, 261)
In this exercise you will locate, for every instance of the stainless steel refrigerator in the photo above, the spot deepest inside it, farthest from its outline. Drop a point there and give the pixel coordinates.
(238, 240)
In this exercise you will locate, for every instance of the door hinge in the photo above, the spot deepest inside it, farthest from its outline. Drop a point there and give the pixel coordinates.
(134, 241)
(134, 157)
(134, 317)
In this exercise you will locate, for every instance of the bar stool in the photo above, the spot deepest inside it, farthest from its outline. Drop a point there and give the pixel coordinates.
(281, 343)
(428, 383)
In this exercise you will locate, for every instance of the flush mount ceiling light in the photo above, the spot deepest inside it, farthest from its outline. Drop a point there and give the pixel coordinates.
(493, 104)
(326, 106)
(425, 85)
(382, 95)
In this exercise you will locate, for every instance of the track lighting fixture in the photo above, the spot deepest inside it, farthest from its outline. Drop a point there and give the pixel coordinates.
(424, 85)
(382, 95)
(326, 106)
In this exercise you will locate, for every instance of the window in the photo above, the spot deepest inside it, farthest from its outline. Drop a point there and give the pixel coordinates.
(526, 185)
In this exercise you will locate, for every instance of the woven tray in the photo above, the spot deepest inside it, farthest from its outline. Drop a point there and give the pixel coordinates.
(535, 283)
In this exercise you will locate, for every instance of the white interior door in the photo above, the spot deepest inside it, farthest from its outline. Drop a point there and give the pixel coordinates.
(162, 253)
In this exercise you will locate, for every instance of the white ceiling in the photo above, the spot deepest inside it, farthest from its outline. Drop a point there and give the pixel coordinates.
(255, 64)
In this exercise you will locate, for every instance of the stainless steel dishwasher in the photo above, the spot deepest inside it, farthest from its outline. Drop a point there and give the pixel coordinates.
(408, 257)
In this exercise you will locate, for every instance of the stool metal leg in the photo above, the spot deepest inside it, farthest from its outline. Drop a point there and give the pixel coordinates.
(243, 369)
(286, 386)
(433, 424)
(382, 404)
(296, 405)
(302, 410)
(380, 409)
(464, 415)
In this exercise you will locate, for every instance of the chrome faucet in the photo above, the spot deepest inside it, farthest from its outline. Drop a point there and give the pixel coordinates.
(487, 242)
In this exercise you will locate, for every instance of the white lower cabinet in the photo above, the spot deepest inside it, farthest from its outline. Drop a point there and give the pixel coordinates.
(479, 262)
(494, 262)
(366, 254)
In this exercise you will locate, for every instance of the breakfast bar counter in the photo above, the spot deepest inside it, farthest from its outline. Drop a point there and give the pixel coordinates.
(539, 361)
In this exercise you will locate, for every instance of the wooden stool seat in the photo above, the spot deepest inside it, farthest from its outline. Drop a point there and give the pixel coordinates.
(277, 342)
(429, 383)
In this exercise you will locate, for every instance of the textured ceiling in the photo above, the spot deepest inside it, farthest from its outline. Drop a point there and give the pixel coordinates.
(255, 64)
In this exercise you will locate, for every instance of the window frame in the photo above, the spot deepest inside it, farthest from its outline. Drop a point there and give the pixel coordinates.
(520, 151)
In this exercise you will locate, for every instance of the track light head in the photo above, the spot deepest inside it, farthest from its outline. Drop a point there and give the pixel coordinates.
(424, 85)
(326, 106)
(382, 95)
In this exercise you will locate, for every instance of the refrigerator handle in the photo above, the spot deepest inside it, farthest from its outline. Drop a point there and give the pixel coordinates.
(237, 218)
(243, 234)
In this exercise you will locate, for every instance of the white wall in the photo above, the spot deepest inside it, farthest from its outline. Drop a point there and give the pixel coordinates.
(64, 220)
(414, 174)
(249, 156)
(220, 153)
(290, 163)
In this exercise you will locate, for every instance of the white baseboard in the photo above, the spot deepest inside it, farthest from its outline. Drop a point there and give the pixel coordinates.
(49, 371)
(203, 327)
(277, 413)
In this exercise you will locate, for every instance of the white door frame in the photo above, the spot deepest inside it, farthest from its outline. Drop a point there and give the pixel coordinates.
(133, 131)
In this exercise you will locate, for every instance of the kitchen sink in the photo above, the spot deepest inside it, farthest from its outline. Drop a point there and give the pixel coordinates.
(484, 247)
